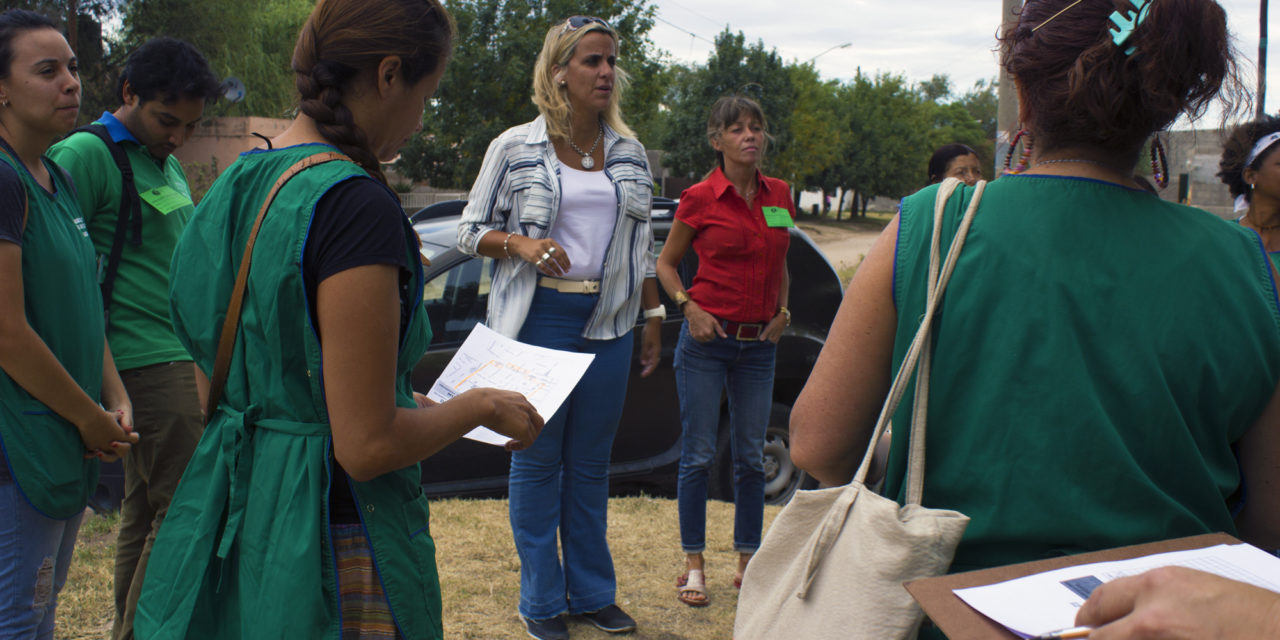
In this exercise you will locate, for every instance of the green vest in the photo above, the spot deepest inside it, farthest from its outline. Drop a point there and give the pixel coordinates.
(140, 333)
(245, 551)
(1098, 352)
(44, 451)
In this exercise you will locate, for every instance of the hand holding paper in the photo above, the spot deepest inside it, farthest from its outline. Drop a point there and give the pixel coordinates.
(489, 360)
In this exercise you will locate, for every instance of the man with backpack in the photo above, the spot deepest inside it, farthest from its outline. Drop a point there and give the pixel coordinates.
(136, 201)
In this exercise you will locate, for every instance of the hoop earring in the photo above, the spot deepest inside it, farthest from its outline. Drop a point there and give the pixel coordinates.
(1160, 171)
(1025, 158)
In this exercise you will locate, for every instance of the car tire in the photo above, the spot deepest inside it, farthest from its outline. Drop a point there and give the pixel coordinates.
(781, 477)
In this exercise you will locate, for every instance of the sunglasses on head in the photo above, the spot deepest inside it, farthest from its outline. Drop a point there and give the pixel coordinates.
(577, 22)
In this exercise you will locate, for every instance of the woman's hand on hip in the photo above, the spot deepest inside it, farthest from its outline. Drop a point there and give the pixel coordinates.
(773, 330)
(703, 326)
(546, 255)
(511, 415)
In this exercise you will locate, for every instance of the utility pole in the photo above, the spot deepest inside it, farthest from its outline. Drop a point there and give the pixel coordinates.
(1006, 96)
(1262, 60)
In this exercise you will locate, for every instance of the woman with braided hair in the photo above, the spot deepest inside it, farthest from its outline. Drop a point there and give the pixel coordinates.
(301, 513)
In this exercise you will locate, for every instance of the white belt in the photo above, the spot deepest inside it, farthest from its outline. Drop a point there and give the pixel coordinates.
(570, 286)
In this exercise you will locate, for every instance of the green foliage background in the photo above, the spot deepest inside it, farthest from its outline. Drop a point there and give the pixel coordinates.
(868, 136)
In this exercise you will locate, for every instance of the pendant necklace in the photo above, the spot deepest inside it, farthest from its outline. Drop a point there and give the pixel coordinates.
(587, 161)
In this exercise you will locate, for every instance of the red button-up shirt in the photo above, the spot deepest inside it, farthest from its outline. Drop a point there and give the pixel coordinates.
(740, 257)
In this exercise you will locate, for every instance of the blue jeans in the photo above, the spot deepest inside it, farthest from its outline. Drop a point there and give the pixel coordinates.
(745, 370)
(35, 553)
(562, 481)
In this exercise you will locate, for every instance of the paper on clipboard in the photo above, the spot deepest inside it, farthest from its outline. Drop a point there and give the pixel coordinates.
(488, 359)
(1048, 601)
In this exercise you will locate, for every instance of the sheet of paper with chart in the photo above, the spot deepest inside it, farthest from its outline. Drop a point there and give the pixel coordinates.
(1048, 601)
(489, 359)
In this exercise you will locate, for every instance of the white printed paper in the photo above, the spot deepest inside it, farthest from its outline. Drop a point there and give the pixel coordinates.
(488, 359)
(1045, 602)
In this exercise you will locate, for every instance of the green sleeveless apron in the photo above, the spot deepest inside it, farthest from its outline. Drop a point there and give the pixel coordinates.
(245, 551)
(44, 451)
(1097, 353)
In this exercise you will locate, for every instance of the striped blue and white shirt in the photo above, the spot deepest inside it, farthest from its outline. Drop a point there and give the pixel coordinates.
(518, 191)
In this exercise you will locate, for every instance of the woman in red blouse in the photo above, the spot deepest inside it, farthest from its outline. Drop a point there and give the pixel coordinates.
(737, 222)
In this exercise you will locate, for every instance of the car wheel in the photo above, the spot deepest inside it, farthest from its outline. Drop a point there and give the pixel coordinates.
(782, 478)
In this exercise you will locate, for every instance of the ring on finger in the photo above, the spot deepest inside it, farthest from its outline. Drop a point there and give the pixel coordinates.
(551, 250)
(546, 256)
(538, 263)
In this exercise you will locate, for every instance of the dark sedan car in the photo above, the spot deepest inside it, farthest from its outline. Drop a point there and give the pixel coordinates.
(646, 451)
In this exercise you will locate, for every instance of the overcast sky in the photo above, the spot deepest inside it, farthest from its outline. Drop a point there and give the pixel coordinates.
(914, 38)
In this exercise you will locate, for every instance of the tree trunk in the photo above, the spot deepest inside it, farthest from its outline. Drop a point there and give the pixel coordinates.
(865, 201)
(797, 203)
(73, 23)
(840, 206)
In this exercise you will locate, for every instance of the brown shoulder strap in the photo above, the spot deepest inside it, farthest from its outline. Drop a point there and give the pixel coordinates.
(231, 323)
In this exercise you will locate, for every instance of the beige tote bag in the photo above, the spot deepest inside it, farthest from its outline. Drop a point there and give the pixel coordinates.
(832, 564)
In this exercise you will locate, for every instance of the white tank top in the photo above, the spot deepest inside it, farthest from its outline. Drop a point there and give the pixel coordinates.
(584, 224)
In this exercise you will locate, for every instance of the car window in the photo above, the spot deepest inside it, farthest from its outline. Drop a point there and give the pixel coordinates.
(457, 299)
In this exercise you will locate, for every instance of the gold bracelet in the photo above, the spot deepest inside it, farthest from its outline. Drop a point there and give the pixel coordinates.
(786, 312)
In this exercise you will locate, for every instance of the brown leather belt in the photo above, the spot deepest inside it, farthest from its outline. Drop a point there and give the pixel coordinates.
(743, 330)
(569, 286)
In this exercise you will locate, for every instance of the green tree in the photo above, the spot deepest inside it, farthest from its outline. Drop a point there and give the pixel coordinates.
(734, 68)
(888, 146)
(488, 84)
(818, 136)
(248, 39)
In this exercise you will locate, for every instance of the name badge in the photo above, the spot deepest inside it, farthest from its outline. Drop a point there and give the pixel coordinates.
(777, 217)
(165, 199)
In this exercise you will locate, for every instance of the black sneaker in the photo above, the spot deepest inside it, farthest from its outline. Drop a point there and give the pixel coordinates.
(549, 629)
(611, 619)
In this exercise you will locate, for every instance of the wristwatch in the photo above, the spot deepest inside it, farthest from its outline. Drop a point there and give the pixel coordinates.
(786, 312)
(680, 298)
(659, 312)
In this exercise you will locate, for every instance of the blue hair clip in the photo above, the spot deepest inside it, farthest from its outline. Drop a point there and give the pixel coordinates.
(1127, 21)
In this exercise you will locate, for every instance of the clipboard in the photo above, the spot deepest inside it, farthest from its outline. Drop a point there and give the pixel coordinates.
(959, 621)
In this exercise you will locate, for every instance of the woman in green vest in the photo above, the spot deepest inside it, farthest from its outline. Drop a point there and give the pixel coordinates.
(1106, 362)
(301, 514)
(55, 366)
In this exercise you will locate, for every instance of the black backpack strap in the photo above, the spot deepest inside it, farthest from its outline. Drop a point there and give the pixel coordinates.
(26, 202)
(128, 218)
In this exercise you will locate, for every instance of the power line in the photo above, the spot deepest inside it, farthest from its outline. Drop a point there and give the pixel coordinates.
(704, 17)
(681, 29)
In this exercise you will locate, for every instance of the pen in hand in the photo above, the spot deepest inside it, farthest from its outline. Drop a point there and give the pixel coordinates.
(1066, 634)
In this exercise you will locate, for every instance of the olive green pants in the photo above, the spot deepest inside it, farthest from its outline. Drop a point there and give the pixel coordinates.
(166, 416)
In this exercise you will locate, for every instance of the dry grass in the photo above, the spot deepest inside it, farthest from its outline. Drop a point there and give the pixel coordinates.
(479, 572)
(86, 606)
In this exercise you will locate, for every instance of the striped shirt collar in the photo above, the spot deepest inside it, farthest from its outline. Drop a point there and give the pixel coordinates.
(538, 133)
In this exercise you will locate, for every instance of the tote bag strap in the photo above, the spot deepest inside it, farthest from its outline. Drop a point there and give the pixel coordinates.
(939, 276)
(231, 324)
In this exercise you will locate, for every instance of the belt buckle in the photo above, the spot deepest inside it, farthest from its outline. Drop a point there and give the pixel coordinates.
(591, 286)
(755, 330)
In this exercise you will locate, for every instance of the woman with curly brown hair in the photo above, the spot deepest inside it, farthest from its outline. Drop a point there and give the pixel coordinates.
(1250, 168)
(1085, 391)
(301, 513)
